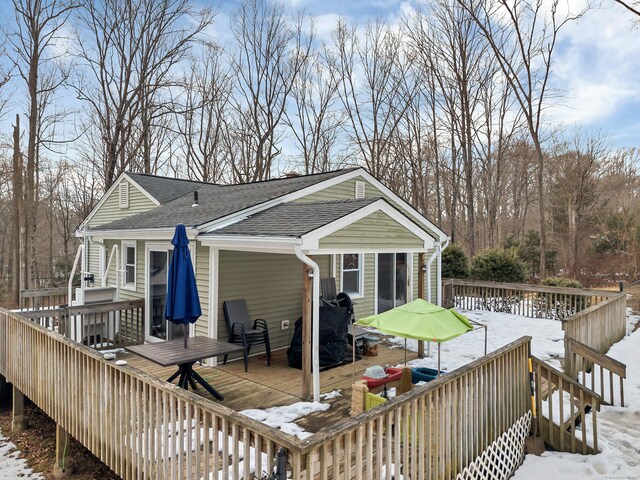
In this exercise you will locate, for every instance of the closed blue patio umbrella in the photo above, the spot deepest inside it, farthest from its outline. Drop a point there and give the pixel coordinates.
(183, 303)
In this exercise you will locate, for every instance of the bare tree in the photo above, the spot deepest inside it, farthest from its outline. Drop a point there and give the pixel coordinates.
(315, 120)
(449, 41)
(271, 50)
(523, 36)
(372, 74)
(38, 27)
(128, 50)
(633, 6)
(576, 179)
(204, 104)
(17, 207)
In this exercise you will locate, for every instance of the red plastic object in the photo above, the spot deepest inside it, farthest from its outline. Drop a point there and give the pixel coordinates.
(393, 374)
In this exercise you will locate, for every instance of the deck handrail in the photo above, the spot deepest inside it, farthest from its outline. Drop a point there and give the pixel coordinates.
(114, 410)
(589, 358)
(533, 288)
(407, 397)
(596, 318)
(554, 428)
(599, 326)
(455, 417)
(42, 298)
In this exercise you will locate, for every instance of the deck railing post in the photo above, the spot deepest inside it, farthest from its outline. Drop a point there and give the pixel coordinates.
(62, 467)
(19, 421)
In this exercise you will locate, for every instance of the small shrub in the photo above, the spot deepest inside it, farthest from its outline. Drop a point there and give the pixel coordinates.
(497, 265)
(454, 262)
(561, 282)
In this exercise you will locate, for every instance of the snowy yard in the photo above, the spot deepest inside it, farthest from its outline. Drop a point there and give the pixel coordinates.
(12, 467)
(618, 434)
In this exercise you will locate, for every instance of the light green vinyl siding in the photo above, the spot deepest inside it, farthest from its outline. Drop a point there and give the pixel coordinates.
(201, 266)
(271, 284)
(346, 189)
(341, 191)
(110, 210)
(94, 251)
(377, 230)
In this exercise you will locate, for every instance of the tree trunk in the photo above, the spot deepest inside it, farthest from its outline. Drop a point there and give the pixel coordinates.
(17, 199)
(541, 202)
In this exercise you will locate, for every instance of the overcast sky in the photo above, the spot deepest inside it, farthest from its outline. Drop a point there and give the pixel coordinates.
(596, 73)
(597, 63)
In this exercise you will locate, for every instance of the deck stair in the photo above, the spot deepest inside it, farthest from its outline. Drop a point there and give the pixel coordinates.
(563, 410)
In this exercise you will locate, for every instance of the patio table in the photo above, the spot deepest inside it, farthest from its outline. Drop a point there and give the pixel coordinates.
(172, 352)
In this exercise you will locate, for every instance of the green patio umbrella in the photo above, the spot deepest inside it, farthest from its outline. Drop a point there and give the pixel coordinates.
(420, 320)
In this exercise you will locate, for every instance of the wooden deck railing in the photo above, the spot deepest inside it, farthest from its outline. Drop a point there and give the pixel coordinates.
(432, 432)
(583, 363)
(596, 318)
(138, 425)
(39, 298)
(566, 407)
(106, 325)
(533, 301)
(598, 326)
(99, 325)
(142, 427)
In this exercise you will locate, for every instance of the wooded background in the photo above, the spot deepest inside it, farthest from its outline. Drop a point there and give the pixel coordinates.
(446, 107)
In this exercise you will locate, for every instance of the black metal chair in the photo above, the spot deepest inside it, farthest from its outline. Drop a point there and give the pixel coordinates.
(243, 332)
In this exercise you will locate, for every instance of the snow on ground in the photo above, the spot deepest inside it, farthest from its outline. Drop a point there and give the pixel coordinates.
(618, 433)
(502, 328)
(12, 467)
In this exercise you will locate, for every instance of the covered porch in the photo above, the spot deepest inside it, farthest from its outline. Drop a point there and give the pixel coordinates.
(365, 245)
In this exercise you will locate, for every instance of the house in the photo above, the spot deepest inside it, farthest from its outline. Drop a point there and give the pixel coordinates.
(254, 240)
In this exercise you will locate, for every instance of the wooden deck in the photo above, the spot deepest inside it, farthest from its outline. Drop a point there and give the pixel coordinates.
(277, 385)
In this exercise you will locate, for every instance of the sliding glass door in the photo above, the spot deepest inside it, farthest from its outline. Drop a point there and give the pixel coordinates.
(392, 280)
(157, 274)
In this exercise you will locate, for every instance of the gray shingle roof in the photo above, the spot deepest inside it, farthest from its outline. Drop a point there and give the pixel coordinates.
(165, 189)
(215, 201)
(294, 219)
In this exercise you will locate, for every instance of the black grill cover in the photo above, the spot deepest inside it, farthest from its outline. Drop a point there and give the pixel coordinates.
(334, 324)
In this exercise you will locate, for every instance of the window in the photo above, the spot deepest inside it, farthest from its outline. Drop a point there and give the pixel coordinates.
(359, 189)
(123, 194)
(352, 273)
(129, 263)
(393, 274)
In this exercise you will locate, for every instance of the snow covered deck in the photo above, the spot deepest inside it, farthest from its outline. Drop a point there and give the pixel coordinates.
(264, 387)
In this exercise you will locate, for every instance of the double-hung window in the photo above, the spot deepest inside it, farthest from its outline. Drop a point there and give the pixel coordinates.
(129, 264)
(352, 274)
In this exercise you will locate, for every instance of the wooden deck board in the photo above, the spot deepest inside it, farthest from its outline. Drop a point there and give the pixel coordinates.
(278, 385)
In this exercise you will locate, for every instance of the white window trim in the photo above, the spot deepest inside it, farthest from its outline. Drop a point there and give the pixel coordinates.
(359, 294)
(102, 261)
(124, 245)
